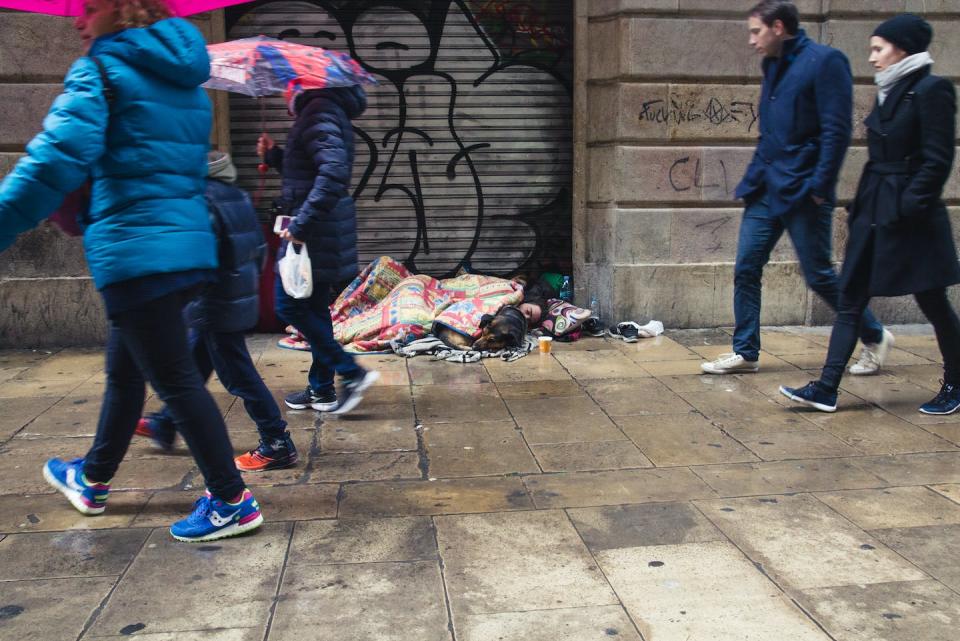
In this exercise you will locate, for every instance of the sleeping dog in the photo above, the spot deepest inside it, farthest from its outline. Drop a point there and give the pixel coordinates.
(507, 329)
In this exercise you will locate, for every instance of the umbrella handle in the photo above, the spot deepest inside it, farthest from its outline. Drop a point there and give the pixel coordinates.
(263, 167)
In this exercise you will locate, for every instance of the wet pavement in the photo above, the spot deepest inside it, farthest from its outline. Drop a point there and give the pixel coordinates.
(605, 491)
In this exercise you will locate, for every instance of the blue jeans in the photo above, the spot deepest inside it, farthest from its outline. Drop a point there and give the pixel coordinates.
(149, 343)
(810, 227)
(226, 354)
(311, 316)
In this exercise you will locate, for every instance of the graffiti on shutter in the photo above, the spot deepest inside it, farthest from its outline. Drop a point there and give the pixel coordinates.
(464, 155)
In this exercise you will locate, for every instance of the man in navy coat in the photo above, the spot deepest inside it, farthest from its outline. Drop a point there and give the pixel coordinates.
(806, 113)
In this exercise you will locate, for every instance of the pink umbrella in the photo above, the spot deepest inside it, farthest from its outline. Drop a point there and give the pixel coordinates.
(75, 7)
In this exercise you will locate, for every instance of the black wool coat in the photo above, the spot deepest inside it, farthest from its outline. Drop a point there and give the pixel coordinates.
(900, 240)
(316, 167)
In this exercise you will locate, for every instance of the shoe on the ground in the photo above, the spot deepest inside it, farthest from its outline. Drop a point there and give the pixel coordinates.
(627, 331)
(730, 364)
(214, 519)
(67, 477)
(814, 395)
(873, 355)
(352, 391)
(947, 401)
(593, 327)
(322, 402)
(148, 426)
(271, 454)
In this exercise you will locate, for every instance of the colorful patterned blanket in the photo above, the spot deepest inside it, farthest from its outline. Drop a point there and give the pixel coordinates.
(386, 302)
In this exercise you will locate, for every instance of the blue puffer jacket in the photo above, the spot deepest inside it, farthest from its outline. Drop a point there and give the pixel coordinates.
(145, 153)
(316, 167)
(232, 304)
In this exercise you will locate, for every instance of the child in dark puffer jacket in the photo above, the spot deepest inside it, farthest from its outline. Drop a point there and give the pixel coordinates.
(219, 317)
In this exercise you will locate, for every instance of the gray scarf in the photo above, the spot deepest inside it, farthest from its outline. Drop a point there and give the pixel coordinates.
(889, 77)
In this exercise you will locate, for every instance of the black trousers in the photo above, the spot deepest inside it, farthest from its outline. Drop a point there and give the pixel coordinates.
(843, 340)
(149, 343)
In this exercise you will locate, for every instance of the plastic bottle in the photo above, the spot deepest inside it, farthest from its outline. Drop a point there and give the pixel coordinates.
(594, 307)
(566, 290)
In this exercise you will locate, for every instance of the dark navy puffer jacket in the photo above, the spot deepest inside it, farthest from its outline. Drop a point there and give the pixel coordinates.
(232, 303)
(316, 166)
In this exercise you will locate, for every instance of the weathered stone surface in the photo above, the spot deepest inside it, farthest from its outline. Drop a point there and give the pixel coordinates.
(363, 541)
(853, 37)
(674, 57)
(384, 601)
(36, 48)
(547, 564)
(658, 112)
(44, 251)
(804, 544)
(594, 623)
(608, 7)
(239, 574)
(51, 609)
(46, 312)
(49, 555)
(26, 105)
(632, 526)
(674, 593)
(886, 612)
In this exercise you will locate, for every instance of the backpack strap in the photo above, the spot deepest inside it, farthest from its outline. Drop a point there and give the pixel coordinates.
(108, 93)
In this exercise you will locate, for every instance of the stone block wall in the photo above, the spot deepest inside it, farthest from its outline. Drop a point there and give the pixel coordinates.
(47, 297)
(666, 120)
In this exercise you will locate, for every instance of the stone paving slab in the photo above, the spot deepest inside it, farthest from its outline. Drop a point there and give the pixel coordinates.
(516, 562)
(159, 590)
(804, 544)
(682, 592)
(52, 608)
(886, 612)
(362, 602)
(634, 526)
(595, 623)
(580, 495)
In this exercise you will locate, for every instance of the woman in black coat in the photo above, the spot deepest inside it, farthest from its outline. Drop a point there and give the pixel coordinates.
(900, 241)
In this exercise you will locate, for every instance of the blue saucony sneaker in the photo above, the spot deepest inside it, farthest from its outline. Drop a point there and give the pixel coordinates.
(67, 476)
(214, 519)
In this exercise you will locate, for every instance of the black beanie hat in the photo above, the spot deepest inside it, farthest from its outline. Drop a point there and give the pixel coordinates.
(908, 32)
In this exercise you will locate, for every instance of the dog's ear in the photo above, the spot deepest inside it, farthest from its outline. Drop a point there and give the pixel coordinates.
(485, 320)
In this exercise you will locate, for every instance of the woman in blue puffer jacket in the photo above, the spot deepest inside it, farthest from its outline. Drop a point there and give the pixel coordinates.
(134, 121)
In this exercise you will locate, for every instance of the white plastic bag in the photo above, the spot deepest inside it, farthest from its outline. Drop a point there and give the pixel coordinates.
(296, 273)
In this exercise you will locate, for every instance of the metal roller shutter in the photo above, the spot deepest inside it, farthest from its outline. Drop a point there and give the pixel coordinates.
(464, 156)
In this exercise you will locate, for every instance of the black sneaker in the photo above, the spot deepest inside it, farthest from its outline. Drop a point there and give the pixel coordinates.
(947, 401)
(593, 327)
(814, 395)
(322, 402)
(627, 331)
(271, 454)
(352, 391)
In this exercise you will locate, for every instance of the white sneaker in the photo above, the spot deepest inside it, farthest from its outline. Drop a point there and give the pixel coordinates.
(730, 364)
(873, 355)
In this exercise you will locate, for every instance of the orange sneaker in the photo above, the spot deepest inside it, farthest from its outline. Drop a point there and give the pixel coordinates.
(273, 454)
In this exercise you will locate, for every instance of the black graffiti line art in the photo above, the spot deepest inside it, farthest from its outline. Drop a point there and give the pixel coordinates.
(401, 158)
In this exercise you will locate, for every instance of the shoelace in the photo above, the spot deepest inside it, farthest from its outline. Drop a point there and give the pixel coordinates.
(201, 508)
(727, 359)
(868, 357)
(945, 391)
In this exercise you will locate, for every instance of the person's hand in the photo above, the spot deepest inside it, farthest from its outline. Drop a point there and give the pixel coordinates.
(286, 235)
(264, 144)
